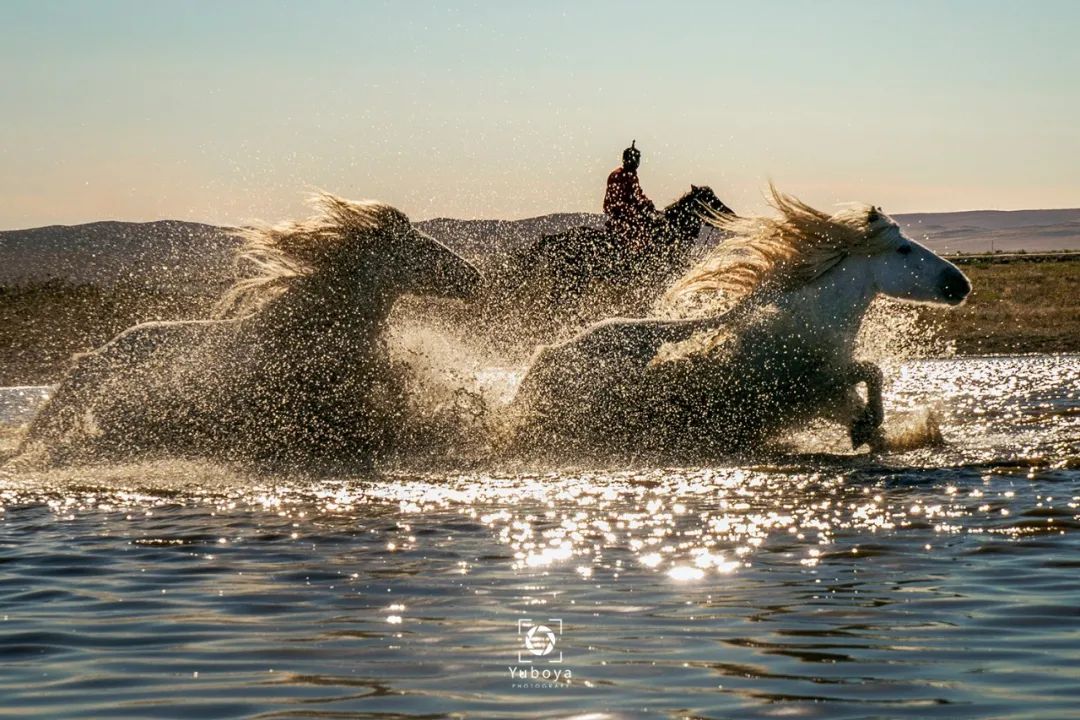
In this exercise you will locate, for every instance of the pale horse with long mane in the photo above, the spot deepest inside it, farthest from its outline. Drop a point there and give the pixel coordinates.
(796, 288)
(294, 370)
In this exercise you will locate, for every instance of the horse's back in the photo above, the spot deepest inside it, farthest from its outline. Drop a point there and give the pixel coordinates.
(147, 338)
(111, 392)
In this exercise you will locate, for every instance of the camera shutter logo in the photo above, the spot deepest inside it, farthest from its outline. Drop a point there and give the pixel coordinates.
(538, 642)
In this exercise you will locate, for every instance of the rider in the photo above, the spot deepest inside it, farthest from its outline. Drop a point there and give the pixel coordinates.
(630, 214)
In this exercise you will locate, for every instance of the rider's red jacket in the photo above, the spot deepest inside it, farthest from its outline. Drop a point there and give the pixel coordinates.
(624, 202)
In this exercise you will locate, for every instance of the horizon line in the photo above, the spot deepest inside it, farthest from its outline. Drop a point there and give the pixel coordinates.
(491, 219)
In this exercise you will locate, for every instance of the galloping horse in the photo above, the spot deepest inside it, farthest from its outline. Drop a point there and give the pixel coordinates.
(796, 288)
(295, 370)
(586, 273)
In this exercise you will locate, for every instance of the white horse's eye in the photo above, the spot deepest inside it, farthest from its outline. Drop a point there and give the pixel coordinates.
(904, 249)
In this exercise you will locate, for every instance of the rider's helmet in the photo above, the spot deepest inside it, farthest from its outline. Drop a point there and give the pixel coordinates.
(631, 157)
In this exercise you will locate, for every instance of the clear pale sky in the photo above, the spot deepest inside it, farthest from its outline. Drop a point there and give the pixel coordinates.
(228, 111)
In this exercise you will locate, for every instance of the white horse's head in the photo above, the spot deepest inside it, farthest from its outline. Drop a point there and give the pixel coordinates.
(366, 248)
(897, 266)
(420, 264)
(803, 245)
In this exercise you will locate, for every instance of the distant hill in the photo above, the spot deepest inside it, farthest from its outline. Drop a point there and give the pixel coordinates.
(167, 254)
(950, 233)
(989, 230)
(478, 238)
(172, 254)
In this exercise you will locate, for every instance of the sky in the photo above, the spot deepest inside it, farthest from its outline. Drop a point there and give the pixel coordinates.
(226, 112)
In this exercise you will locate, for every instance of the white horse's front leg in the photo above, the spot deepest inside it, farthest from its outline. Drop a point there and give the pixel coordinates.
(865, 427)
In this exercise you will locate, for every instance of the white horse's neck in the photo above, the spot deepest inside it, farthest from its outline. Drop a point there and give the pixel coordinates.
(331, 305)
(831, 308)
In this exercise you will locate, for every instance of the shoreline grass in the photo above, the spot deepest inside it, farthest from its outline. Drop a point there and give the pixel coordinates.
(1018, 306)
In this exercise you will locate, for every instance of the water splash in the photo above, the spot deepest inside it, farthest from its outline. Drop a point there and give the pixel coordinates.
(457, 393)
(893, 331)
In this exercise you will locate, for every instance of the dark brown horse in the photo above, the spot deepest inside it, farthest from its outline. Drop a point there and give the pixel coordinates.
(586, 273)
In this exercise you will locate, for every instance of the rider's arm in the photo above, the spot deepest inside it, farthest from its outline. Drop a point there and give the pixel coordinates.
(640, 199)
(613, 196)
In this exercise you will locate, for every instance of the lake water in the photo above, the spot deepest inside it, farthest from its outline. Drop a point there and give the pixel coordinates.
(937, 582)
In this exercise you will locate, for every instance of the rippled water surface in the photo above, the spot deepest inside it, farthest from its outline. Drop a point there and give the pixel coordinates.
(933, 582)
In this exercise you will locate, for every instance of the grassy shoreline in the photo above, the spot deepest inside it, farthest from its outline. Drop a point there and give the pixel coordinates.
(1020, 304)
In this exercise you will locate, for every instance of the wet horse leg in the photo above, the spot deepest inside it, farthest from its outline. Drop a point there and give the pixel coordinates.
(865, 426)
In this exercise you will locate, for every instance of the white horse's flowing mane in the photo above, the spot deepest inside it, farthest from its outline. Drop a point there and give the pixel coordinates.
(280, 254)
(779, 254)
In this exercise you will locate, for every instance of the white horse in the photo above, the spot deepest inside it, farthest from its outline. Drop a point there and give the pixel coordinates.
(295, 370)
(797, 287)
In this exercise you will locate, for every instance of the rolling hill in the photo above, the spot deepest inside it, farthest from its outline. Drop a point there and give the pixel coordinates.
(174, 254)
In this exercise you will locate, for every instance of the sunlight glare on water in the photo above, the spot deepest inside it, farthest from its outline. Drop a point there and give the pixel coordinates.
(937, 581)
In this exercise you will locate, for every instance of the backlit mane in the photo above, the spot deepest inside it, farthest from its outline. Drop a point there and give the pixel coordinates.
(280, 254)
(779, 254)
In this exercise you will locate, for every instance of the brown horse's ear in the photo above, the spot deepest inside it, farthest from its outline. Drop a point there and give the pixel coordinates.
(873, 215)
(694, 188)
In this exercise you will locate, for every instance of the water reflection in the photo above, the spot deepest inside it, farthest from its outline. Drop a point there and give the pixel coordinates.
(939, 581)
